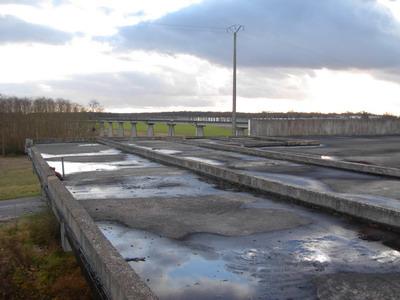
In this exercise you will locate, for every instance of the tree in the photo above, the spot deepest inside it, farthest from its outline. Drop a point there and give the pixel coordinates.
(95, 106)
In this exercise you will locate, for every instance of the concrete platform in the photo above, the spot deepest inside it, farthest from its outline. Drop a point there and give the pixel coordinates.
(192, 237)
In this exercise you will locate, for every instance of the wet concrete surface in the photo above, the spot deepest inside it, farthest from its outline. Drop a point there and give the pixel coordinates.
(374, 150)
(202, 240)
(180, 217)
(313, 177)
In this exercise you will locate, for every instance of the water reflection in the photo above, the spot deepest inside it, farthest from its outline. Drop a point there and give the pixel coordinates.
(130, 161)
(276, 265)
(174, 271)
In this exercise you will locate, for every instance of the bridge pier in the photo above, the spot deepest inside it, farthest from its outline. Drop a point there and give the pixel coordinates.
(110, 129)
(133, 129)
(171, 128)
(64, 240)
(150, 129)
(120, 129)
(102, 129)
(240, 131)
(200, 130)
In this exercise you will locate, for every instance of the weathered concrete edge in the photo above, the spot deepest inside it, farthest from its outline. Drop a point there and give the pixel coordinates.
(114, 273)
(376, 214)
(343, 165)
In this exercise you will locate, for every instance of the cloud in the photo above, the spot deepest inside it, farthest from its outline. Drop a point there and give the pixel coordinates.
(21, 2)
(338, 34)
(14, 30)
(124, 89)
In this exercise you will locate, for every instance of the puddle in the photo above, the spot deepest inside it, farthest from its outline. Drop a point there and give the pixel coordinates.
(131, 161)
(204, 160)
(277, 265)
(167, 151)
(326, 157)
(102, 152)
(174, 271)
(146, 186)
(88, 145)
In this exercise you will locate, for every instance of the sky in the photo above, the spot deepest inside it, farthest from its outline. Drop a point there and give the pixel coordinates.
(166, 55)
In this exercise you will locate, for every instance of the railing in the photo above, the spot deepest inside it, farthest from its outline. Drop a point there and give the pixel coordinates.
(198, 122)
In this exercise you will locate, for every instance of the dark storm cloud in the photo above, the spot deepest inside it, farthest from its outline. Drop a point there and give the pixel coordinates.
(14, 30)
(278, 33)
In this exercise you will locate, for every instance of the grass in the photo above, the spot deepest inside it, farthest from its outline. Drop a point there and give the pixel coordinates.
(17, 178)
(33, 265)
(180, 129)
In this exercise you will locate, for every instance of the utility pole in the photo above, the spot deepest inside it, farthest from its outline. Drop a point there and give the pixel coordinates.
(234, 29)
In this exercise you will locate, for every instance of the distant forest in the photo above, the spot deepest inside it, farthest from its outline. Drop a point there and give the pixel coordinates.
(12, 104)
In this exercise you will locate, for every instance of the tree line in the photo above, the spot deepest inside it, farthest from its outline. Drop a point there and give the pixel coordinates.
(42, 118)
(13, 104)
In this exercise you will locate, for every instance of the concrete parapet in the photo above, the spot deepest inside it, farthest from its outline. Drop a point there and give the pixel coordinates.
(111, 272)
(381, 214)
(323, 127)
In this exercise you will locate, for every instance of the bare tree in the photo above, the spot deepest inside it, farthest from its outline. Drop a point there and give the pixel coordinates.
(95, 106)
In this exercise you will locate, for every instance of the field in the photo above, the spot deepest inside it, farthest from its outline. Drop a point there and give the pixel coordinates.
(33, 265)
(180, 129)
(17, 178)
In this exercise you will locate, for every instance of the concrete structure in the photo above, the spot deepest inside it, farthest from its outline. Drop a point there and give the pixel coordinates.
(102, 129)
(240, 130)
(192, 230)
(150, 129)
(171, 128)
(200, 129)
(120, 129)
(133, 129)
(110, 129)
(385, 212)
(271, 151)
(112, 276)
(322, 127)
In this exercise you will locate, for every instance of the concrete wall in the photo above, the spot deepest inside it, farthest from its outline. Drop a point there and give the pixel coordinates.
(322, 127)
(113, 273)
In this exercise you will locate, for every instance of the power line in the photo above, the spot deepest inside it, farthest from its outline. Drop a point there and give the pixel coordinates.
(187, 27)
